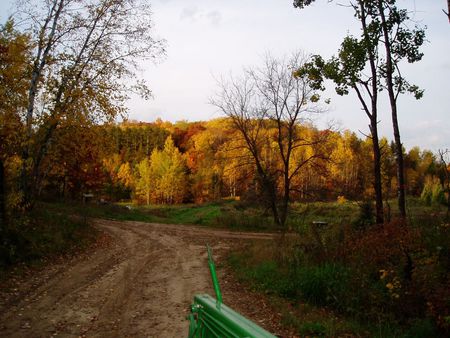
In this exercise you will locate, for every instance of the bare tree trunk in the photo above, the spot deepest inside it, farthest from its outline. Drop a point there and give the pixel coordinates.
(400, 166)
(448, 10)
(274, 207)
(273, 96)
(40, 61)
(2, 197)
(377, 174)
(446, 165)
(270, 190)
(393, 103)
(286, 198)
(373, 116)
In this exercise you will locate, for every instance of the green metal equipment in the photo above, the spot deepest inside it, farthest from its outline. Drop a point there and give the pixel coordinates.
(210, 318)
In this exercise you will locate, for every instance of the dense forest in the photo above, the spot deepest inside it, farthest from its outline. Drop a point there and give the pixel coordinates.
(195, 162)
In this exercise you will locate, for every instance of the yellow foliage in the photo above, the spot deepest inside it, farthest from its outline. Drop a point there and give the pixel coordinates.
(341, 200)
(125, 175)
(384, 273)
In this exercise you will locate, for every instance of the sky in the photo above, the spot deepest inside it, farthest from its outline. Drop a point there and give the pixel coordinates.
(209, 39)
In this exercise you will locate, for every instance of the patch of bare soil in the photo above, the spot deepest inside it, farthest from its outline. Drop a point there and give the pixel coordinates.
(138, 285)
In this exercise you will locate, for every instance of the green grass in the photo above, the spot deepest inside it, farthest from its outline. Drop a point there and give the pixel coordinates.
(205, 214)
(178, 214)
(304, 295)
(223, 214)
(236, 215)
(303, 214)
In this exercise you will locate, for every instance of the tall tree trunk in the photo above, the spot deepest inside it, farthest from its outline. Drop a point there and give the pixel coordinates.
(2, 197)
(377, 173)
(446, 167)
(400, 166)
(270, 190)
(284, 209)
(267, 184)
(373, 116)
(45, 44)
(393, 103)
(448, 10)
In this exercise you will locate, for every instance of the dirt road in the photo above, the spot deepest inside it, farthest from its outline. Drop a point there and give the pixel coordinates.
(140, 285)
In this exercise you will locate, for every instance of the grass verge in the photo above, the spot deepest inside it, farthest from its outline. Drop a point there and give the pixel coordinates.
(387, 280)
(42, 233)
(223, 214)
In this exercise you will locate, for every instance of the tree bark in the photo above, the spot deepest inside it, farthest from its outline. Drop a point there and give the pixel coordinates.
(377, 173)
(40, 61)
(393, 103)
(446, 167)
(270, 191)
(448, 10)
(2, 197)
(373, 116)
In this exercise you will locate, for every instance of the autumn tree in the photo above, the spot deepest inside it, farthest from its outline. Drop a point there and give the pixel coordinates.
(168, 170)
(125, 175)
(203, 159)
(384, 27)
(133, 141)
(238, 174)
(162, 178)
(348, 72)
(346, 166)
(73, 168)
(84, 64)
(266, 105)
(15, 56)
(400, 43)
(444, 157)
(144, 183)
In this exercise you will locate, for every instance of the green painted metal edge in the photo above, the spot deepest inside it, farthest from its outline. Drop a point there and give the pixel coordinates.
(212, 270)
(218, 320)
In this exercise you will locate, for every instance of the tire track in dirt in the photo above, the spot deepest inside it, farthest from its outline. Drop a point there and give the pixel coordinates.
(141, 286)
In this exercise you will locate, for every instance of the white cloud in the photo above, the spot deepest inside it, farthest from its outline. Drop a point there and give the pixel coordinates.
(215, 37)
(190, 13)
(194, 15)
(215, 17)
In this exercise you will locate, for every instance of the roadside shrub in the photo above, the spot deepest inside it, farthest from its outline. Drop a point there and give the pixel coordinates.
(402, 271)
(323, 284)
(426, 194)
(394, 277)
(438, 195)
(341, 199)
(42, 233)
(314, 329)
(422, 328)
(366, 214)
(432, 192)
(270, 278)
(381, 246)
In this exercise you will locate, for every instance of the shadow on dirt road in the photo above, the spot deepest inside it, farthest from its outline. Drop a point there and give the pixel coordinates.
(139, 286)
